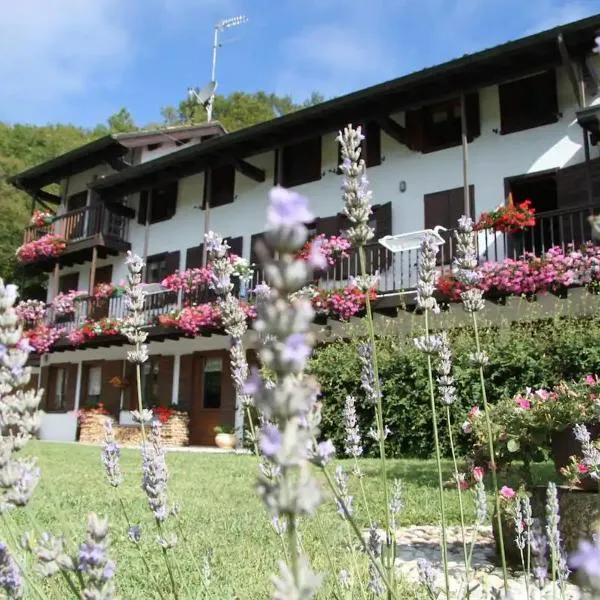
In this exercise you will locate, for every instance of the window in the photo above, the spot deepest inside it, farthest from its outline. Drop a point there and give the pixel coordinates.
(150, 376)
(222, 186)
(94, 385)
(438, 126)
(60, 389)
(68, 282)
(158, 204)
(529, 102)
(77, 201)
(156, 268)
(213, 368)
(300, 163)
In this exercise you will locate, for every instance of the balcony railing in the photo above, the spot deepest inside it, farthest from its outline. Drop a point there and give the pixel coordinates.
(82, 224)
(399, 271)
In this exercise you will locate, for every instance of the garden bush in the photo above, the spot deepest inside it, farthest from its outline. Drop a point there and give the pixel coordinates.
(533, 354)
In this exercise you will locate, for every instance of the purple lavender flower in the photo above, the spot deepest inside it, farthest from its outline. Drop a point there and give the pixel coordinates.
(367, 373)
(287, 209)
(586, 562)
(344, 503)
(10, 576)
(316, 256)
(427, 274)
(94, 563)
(591, 454)
(324, 453)
(539, 551)
(134, 534)
(254, 383)
(111, 455)
(270, 440)
(296, 351)
(352, 441)
(375, 585)
(155, 474)
(427, 576)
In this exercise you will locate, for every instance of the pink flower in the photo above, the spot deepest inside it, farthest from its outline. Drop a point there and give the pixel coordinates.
(542, 394)
(523, 403)
(591, 379)
(474, 412)
(463, 484)
(478, 473)
(582, 469)
(507, 492)
(467, 427)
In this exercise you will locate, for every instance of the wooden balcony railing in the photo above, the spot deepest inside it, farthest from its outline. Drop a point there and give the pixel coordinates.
(82, 224)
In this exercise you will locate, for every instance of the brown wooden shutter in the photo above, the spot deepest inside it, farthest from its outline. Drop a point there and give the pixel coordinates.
(571, 186)
(143, 208)
(222, 183)
(379, 259)
(71, 386)
(372, 144)
(302, 162)
(165, 379)
(130, 400)
(45, 384)
(186, 382)
(111, 395)
(328, 225)
(172, 262)
(415, 130)
(193, 257)
(253, 240)
(473, 116)
(236, 245)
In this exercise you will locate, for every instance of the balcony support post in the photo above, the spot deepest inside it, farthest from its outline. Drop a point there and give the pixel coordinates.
(465, 156)
(147, 233)
(93, 270)
(78, 386)
(207, 197)
(176, 375)
(55, 280)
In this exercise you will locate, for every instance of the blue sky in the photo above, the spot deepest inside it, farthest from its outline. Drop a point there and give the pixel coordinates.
(79, 61)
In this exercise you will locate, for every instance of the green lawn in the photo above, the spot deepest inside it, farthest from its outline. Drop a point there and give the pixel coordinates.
(220, 514)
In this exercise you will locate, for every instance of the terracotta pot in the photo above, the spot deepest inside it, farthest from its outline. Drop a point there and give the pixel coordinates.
(564, 445)
(227, 441)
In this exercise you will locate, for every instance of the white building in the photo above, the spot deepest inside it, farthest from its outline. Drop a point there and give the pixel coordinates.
(531, 128)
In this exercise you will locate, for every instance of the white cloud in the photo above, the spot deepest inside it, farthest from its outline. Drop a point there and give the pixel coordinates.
(52, 50)
(332, 59)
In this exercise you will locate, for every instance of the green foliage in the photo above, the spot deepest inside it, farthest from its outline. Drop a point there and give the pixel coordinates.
(238, 110)
(539, 354)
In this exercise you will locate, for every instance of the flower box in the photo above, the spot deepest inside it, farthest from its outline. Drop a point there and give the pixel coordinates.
(508, 218)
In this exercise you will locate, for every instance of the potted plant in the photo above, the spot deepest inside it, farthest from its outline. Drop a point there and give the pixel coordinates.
(508, 217)
(225, 437)
(537, 425)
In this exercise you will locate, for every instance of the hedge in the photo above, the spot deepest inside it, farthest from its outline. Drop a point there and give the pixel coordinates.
(536, 354)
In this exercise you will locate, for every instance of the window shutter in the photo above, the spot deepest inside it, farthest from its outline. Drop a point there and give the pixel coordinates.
(258, 272)
(186, 382)
(415, 129)
(111, 395)
(302, 162)
(473, 116)
(166, 367)
(45, 384)
(328, 226)
(70, 387)
(143, 208)
(372, 144)
(172, 262)
(222, 183)
(236, 245)
(193, 257)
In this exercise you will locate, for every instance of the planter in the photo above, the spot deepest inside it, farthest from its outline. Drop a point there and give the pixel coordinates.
(226, 441)
(564, 445)
(579, 520)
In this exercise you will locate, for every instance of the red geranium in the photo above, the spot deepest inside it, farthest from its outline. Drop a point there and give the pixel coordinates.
(508, 218)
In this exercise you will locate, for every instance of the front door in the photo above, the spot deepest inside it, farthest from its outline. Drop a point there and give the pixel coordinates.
(213, 397)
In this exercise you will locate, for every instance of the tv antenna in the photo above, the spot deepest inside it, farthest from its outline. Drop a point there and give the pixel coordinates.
(206, 95)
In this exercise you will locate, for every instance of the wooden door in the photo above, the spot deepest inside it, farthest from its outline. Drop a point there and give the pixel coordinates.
(213, 401)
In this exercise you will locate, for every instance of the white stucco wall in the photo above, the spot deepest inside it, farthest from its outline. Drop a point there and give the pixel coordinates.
(492, 158)
(59, 427)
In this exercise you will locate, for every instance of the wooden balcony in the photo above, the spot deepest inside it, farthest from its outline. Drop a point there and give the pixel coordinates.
(83, 230)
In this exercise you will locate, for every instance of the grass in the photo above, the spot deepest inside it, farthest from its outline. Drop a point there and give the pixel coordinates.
(220, 515)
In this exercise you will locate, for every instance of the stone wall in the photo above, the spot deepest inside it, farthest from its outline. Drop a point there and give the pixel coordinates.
(173, 433)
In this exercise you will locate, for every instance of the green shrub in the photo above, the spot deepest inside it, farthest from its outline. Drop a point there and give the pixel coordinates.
(538, 354)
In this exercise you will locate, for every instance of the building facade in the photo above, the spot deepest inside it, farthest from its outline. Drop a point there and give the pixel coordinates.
(520, 119)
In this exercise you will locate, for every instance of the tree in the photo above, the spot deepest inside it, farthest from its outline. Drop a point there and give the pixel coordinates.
(121, 122)
(237, 110)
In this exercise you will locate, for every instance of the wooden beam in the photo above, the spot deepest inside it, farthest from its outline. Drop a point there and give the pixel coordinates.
(43, 196)
(393, 129)
(570, 68)
(118, 164)
(245, 168)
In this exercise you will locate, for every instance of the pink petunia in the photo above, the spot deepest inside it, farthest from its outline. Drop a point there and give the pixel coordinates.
(523, 403)
(582, 469)
(591, 379)
(478, 473)
(474, 412)
(507, 492)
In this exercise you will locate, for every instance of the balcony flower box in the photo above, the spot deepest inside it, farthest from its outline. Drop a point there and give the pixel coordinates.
(48, 246)
(106, 291)
(508, 218)
(40, 218)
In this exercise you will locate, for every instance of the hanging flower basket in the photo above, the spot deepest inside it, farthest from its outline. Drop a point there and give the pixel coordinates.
(508, 218)
(119, 382)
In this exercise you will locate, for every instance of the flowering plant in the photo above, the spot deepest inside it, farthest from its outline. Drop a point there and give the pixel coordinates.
(86, 411)
(332, 248)
(119, 382)
(31, 311)
(92, 329)
(162, 413)
(193, 319)
(105, 291)
(524, 425)
(39, 218)
(241, 267)
(508, 217)
(48, 245)
(42, 338)
(557, 269)
(64, 303)
(189, 280)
